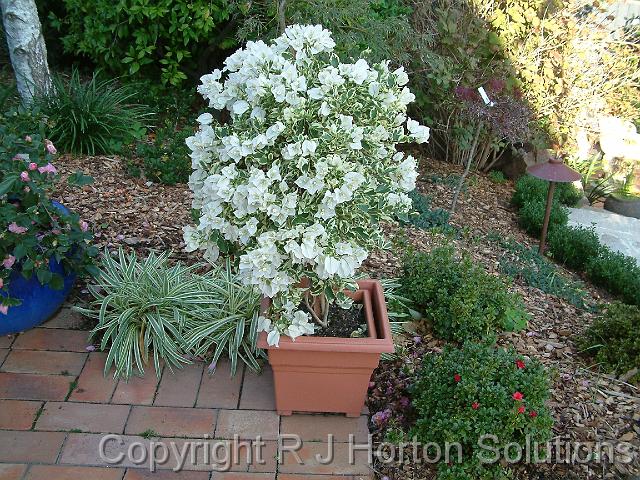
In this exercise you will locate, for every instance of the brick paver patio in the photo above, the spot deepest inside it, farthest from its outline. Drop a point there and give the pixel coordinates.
(56, 407)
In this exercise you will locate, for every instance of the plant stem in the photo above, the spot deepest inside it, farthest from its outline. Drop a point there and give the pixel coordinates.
(472, 152)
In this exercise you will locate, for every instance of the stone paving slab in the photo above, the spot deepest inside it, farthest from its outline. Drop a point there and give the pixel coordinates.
(56, 406)
(620, 233)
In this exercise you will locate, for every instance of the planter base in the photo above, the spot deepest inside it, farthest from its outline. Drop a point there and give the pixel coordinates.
(331, 375)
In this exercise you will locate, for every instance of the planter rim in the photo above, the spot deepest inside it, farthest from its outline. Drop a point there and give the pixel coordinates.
(373, 298)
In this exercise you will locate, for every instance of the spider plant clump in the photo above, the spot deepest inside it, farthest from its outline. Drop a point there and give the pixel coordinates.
(148, 310)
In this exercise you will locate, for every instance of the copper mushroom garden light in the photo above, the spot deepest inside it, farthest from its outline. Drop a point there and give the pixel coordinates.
(553, 171)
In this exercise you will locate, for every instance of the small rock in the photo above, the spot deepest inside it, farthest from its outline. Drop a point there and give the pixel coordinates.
(627, 437)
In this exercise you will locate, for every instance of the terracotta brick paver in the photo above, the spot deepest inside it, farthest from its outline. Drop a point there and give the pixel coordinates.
(23, 447)
(6, 340)
(164, 475)
(9, 471)
(52, 339)
(86, 417)
(312, 454)
(172, 421)
(180, 388)
(22, 386)
(59, 472)
(138, 390)
(3, 354)
(247, 424)
(257, 391)
(66, 319)
(220, 390)
(316, 428)
(93, 385)
(52, 363)
(243, 476)
(18, 414)
(56, 407)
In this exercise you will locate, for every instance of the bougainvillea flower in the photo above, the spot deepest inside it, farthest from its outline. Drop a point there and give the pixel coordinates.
(15, 228)
(50, 147)
(48, 168)
(518, 396)
(8, 261)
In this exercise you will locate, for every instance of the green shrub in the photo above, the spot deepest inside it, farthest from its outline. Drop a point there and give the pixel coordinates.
(377, 29)
(613, 339)
(92, 117)
(162, 39)
(166, 159)
(574, 246)
(496, 176)
(148, 308)
(616, 272)
(462, 394)
(424, 216)
(531, 216)
(461, 300)
(530, 189)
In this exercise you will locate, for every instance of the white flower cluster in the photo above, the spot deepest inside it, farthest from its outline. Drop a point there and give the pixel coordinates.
(298, 180)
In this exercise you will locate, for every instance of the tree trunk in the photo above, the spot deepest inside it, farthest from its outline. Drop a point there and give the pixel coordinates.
(26, 47)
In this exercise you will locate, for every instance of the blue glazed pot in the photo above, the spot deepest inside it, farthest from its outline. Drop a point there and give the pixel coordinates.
(39, 302)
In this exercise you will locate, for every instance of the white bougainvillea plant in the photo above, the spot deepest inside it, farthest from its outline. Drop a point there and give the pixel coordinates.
(296, 183)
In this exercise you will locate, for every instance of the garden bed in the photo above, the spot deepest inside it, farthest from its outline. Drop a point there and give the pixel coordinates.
(586, 406)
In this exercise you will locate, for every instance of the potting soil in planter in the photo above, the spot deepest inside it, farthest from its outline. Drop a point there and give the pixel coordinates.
(344, 323)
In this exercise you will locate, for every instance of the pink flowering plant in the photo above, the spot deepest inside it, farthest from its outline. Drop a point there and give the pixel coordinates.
(35, 231)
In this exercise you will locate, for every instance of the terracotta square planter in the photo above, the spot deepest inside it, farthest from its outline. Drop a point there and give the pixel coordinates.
(327, 374)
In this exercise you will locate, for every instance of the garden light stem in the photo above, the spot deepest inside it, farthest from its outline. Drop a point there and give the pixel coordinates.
(547, 214)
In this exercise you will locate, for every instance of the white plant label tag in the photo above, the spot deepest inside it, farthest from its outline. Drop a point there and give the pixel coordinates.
(485, 97)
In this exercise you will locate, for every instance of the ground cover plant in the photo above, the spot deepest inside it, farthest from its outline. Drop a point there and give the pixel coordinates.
(458, 298)
(422, 215)
(526, 264)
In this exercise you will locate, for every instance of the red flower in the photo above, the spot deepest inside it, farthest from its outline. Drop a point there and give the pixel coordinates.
(518, 396)
(533, 414)
(520, 364)
(521, 409)
(475, 405)
(457, 378)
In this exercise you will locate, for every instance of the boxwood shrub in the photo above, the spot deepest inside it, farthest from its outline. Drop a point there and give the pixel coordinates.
(531, 216)
(462, 394)
(460, 299)
(618, 273)
(531, 189)
(613, 339)
(574, 246)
